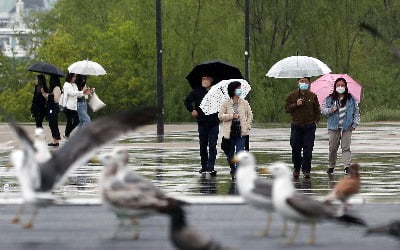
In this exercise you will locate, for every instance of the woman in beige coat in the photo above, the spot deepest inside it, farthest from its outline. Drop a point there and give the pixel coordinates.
(237, 118)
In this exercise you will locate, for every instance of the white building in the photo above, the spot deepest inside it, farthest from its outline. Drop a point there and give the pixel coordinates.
(14, 34)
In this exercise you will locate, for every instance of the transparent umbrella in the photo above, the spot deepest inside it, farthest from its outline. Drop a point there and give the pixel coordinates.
(218, 93)
(297, 67)
(87, 67)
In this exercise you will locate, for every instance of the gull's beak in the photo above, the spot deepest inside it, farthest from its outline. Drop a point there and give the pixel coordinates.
(263, 171)
(8, 165)
(94, 160)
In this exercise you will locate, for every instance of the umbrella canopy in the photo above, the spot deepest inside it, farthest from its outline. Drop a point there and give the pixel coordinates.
(45, 68)
(298, 67)
(218, 93)
(87, 67)
(217, 69)
(323, 86)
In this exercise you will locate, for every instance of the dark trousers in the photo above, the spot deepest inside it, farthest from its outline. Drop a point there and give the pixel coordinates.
(237, 144)
(52, 116)
(302, 138)
(72, 120)
(39, 119)
(208, 137)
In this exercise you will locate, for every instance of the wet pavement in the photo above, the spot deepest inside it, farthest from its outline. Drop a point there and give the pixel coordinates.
(173, 164)
(90, 227)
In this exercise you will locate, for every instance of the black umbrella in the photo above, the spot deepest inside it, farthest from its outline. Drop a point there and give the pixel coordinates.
(217, 69)
(45, 68)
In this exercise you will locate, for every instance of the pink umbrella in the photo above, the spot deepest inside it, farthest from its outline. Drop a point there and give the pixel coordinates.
(323, 86)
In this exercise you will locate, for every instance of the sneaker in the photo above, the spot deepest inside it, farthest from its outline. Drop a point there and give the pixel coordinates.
(202, 171)
(306, 175)
(53, 144)
(213, 173)
(330, 171)
(346, 170)
(296, 174)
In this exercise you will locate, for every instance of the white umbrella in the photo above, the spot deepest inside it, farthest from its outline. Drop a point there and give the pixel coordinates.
(218, 93)
(87, 67)
(298, 67)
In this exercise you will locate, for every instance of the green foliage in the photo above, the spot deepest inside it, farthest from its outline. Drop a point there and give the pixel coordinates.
(120, 35)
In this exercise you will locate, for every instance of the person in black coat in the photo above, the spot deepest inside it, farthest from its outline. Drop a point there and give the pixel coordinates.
(208, 125)
(38, 107)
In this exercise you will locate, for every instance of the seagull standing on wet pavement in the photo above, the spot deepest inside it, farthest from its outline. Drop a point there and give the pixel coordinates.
(40, 171)
(300, 208)
(257, 192)
(392, 229)
(185, 237)
(129, 195)
(346, 187)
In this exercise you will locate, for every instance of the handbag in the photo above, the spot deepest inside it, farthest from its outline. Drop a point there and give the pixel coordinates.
(236, 129)
(95, 103)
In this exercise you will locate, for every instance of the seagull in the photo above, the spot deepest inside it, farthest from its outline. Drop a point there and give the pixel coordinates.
(255, 191)
(300, 208)
(185, 237)
(392, 228)
(346, 187)
(129, 195)
(39, 171)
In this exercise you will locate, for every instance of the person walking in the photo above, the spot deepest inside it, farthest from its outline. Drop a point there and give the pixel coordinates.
(207, 125)
(38, 107)
(237, 118)
(343, 118)
(52, 108)
(83, 115)
(71, 93)
(304, 108)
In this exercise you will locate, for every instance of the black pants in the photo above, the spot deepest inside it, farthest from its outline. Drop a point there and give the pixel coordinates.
(39, 119)
(52, 116)
(72, 120)
(302, 138)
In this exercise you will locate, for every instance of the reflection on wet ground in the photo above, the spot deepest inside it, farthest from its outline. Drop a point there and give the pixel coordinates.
(173, 164)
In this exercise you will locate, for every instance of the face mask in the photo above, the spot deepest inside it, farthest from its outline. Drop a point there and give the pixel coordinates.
(303, 86)
(340, 90)
(238, 92)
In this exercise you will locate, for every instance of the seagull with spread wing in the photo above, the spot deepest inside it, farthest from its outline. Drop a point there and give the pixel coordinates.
(40, 171)
(256, 192)
(301, 208)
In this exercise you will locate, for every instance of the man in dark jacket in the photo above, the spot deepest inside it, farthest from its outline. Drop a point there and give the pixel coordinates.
(304, 107)
(208, 125)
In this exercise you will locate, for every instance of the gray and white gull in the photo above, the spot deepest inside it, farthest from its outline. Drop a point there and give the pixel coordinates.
(255, 191)
(301, 208)
(39, 171)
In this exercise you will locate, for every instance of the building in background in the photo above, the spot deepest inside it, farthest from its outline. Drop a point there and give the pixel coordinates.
(14, 33)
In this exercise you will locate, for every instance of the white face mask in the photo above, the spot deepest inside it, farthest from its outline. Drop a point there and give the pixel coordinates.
(340, 90)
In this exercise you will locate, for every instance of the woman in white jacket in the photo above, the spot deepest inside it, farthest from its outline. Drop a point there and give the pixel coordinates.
(237, 118)
(71, 94)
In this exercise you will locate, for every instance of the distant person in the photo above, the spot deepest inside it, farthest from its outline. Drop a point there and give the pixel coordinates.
(38, 107)
(343, 118)
(83, 115)
(237, 118)
(304, 108)
(208, 125)
(53, 98)
(71, 93)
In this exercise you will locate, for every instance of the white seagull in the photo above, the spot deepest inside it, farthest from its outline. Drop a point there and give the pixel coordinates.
(256, 191)
(300, 208)
(129, 195)
(40, 171)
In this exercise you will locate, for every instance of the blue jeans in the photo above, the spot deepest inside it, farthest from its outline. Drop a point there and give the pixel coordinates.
(208, 137)
(84, 118)
(302, 139)
(237, 144)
